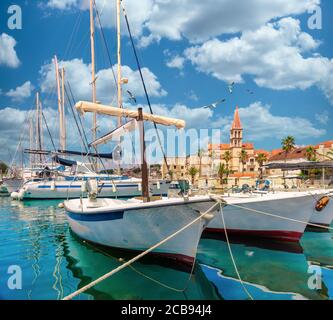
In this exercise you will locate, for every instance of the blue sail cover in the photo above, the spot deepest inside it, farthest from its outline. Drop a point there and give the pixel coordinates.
(64, 162)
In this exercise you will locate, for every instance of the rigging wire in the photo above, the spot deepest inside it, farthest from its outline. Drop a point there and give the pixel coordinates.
(144, 84)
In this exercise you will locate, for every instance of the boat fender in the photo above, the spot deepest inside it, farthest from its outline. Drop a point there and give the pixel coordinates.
(322, 203)
(139, 187)
(158, 185)
(21, 194)
(114, 189)
(53, 186)
(14, 195)
(84, 186)
(92, 186)
(61, 205)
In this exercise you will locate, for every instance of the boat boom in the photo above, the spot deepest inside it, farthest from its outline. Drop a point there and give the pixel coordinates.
(83, 106)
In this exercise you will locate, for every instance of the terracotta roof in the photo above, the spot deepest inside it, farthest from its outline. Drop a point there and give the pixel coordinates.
(326, 144)
(267, 153)
(236, 123)
(243, 174)
(298, 153)
(248, 145)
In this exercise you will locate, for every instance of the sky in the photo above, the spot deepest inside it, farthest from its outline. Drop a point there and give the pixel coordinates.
(278, 53)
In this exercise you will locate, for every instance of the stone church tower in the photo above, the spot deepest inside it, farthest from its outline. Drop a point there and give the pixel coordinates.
(236, 141)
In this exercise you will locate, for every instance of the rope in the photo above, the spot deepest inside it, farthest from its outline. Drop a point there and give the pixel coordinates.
(129, 262)
(145, 275)
(231, 254)
(277, 216)
(144, 86)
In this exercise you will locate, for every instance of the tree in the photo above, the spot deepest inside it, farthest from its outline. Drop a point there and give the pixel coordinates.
(192, 171)
(227, 158)
(261, 158)
(288, 145)
(3, 167)
(200, 154)
(311, 153)
(221, 172)
(243, 156)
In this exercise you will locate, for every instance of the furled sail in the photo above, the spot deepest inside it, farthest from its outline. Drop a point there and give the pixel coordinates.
(83, 106)
(116, 133)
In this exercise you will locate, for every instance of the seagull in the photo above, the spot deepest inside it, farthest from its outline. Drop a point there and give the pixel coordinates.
(132, 97)
(231, 87)
(249, 91)
(215, 104)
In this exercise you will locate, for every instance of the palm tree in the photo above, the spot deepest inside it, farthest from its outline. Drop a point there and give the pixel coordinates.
(200, 154)
(227, 158)
(192, 171)
(288, 145)
(243, 158)
(261, 159)
(311, 153)
(221, 172)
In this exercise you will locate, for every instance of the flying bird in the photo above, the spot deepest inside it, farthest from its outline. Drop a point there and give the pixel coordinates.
(249, 91)
(132, 96)
(231, 87)
(215, 104)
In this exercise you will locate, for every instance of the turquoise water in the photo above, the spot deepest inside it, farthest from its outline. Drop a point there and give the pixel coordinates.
(36, 237)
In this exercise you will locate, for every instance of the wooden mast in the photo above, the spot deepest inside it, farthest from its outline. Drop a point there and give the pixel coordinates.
(31, 138)
(60, 102)
(93, 75)
(144, 167)
(63, 123)
(38, 113)
(119, 82)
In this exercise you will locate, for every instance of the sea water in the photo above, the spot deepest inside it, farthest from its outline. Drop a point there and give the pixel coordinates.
(35, 238)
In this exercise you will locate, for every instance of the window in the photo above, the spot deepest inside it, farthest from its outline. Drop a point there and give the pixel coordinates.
(175, 167)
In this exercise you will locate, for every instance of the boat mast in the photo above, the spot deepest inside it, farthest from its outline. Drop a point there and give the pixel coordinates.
(31, 134)
(38, 141)
(63, 124)
(119, 82)
(93, 82)
(144, 167)
(60, 104)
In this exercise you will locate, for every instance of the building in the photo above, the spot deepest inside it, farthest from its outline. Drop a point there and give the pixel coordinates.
(240, 157)
(240, 167)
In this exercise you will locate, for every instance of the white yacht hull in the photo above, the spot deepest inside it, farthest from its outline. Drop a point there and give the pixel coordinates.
(293, 206)
(73, 190)
(134, 225)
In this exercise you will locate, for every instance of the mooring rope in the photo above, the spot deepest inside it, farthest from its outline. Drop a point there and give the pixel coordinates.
(231, 254)
(131, 261)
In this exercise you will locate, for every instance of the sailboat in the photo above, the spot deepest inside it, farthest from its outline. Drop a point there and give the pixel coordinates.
(138, 224)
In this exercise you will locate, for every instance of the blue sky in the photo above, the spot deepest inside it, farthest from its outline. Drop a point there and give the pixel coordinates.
(190, 50)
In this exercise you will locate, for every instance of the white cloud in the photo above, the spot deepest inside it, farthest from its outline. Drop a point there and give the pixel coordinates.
(62, 4)
(195, 20)
(323, 117)
(260, 123)
(22, 92)
(8, 56)
(176, 62)
(275, 55)
(78, 75)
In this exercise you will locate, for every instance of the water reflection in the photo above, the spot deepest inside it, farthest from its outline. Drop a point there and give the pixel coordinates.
(268, 274)
(35, 235)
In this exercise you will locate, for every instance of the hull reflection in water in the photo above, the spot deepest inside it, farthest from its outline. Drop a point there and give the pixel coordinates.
(274, 271)
(146, 280)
